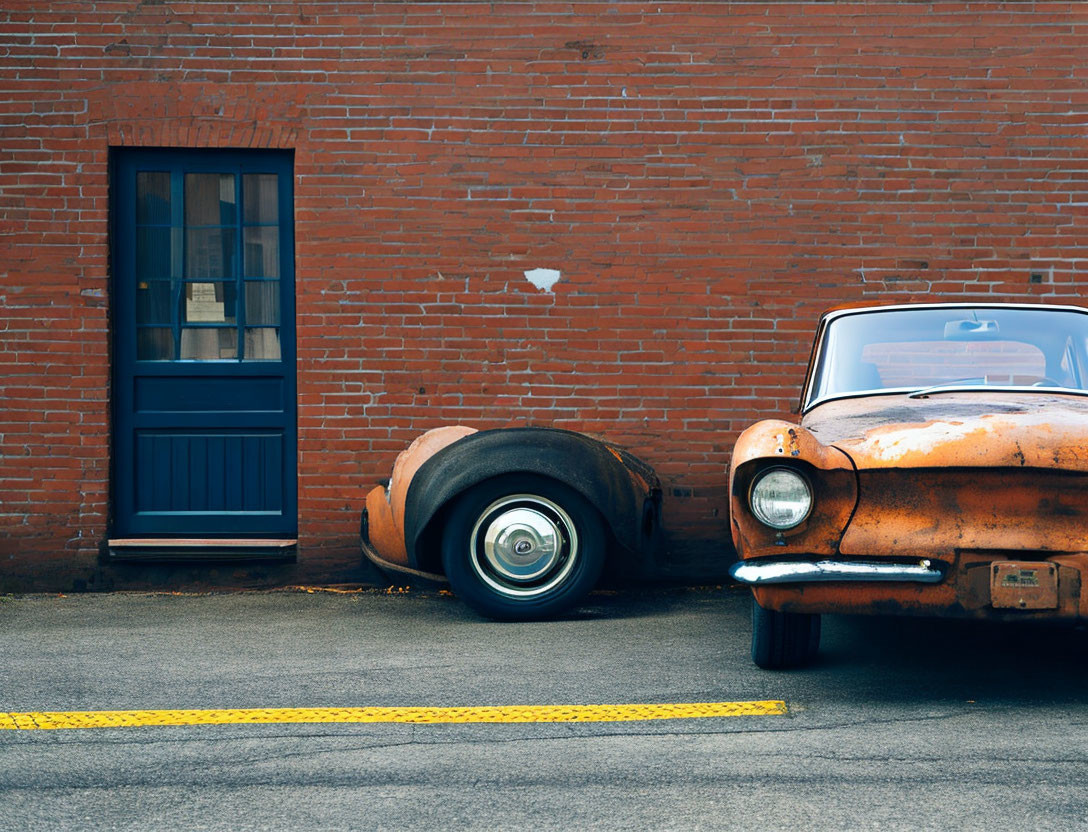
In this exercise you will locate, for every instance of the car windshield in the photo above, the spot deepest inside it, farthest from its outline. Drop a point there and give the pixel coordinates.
(913, 350)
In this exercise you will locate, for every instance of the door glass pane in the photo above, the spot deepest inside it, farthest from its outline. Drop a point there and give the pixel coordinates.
(262, 251)
(152, 252)
(263, 344)
(208, 343)
(153, 197)
(189, 278)
(209, 199)
(263, 302)
(153, 302)
(154, 344)
(211, 303)
(260, 198)
(209, 252)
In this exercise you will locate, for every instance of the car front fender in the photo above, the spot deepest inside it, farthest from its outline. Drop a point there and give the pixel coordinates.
(620, 486)
(829, 472)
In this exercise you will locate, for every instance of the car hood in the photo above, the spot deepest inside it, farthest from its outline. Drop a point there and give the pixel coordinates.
(963, 429)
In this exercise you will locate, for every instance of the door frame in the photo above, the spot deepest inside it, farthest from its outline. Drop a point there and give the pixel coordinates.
(123, 164)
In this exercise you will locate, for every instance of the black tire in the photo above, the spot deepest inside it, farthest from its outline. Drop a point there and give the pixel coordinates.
(526, 516)
(781, 640)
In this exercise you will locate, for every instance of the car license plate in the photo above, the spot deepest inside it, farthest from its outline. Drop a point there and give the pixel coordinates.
(1024, 585)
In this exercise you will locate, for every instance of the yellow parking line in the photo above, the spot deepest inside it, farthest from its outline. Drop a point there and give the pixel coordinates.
(33, 721)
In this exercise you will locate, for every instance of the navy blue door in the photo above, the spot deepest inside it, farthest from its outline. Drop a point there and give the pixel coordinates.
(204, 351)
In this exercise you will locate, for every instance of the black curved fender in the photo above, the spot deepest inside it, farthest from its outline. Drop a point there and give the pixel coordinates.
(624, 489)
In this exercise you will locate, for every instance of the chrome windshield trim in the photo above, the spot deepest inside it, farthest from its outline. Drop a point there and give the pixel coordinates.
(790, 572)
(857, 310)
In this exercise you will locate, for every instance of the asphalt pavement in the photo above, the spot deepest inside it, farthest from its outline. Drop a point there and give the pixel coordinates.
(902, 724)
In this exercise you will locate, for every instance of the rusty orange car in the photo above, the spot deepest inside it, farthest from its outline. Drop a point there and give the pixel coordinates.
(939, 468)
(520, 521)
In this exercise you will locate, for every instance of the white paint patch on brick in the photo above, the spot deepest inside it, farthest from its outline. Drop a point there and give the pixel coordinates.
(543, 279)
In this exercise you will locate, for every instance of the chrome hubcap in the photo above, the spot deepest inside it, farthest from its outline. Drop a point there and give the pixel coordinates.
(523, 545)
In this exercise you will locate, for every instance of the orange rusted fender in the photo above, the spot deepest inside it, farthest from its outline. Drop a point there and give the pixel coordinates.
(385, 506)
(950, 437)
(775, 443)
(404, 524)
(774, 438)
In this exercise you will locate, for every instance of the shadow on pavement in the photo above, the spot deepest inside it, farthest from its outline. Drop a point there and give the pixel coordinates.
(920, 659)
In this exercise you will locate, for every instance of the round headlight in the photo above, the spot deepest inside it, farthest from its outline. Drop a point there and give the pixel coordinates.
(780, 498)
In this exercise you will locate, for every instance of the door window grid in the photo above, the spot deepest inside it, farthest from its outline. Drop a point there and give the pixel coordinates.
(192, 231)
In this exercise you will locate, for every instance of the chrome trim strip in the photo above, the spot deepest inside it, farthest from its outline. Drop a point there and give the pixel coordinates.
(807, 402)
(877, 307)
(807, 571)
(382, 563)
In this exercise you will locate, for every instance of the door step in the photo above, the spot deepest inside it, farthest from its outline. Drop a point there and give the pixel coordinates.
(201, 548)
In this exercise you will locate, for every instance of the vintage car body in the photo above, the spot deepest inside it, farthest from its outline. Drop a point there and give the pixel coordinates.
(519, 520)
(966, 499)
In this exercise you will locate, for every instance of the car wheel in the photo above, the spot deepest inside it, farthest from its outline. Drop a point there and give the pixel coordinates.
(783, 639)
(522, 547)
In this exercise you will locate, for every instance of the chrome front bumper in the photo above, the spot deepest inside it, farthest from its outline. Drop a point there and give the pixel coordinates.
(807, 571)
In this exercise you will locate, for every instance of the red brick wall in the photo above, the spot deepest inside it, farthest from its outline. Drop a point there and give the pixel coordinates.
(707, 178)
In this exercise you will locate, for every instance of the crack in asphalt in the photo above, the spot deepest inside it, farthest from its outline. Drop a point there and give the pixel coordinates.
(1002, 770)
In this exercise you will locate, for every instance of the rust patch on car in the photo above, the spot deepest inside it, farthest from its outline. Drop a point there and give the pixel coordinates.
(934, 512)
(1030, 430)
(383, 532)
(795, 444)
(385, 507)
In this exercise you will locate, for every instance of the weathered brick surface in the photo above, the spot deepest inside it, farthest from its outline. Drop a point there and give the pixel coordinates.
(707, 178)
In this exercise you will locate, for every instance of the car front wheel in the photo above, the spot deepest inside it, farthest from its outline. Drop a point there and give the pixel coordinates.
(522, 547)
(782, 640)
